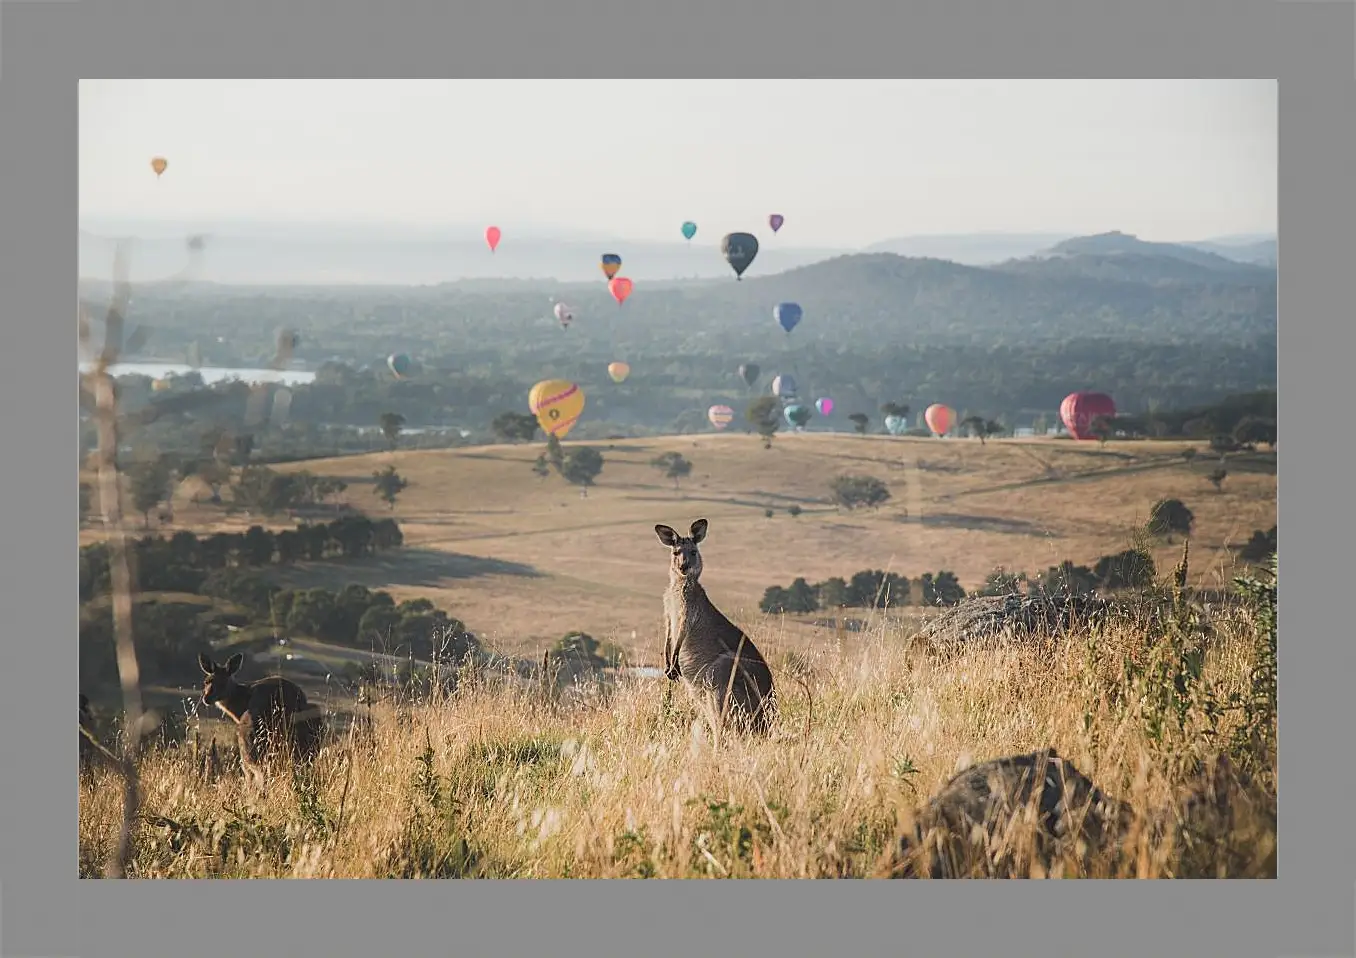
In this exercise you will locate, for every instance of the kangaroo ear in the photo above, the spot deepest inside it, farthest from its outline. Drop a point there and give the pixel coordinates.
(234, 662)
(205, 664)
(699, 530)
(666, 535)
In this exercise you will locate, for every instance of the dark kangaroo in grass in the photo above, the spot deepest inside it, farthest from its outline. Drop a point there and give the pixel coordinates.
(712, 656)
(266, 713)
(87, 751)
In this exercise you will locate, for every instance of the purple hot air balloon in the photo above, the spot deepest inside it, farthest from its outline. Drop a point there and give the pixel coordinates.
(775, 221)
(825, 405)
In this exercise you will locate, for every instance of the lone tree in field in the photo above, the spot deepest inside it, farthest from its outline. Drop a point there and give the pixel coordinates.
(1217, 478)
(1169, 516)
(391, 424)
(555, 453)
(150, 485)
(895, 409)
(514, 427)
(541, 467)
(860, 421)
(673, 466)
(981, 428)
(389, 484)
(763, 415)
(581, 466)
(853, 492)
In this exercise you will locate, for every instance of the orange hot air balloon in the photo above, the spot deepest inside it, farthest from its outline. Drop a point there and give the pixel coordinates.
(618, 371)
(939, 418)
(492, 235)
(159, 164)
(620, 288)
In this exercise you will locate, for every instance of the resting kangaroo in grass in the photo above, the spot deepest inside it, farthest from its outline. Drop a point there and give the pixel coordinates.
(263, 712)
(713, 657)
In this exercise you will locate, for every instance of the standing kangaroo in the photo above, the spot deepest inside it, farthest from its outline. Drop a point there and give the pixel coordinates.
(264, 713)
(706, 650)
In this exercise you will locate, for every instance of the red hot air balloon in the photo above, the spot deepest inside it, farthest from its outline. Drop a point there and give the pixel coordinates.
(492, 235)
(620, 287)
(1080, 410)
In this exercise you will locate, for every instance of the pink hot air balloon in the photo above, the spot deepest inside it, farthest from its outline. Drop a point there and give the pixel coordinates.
(825, 405)
(492, 235)
(1080, 410)
(939, 418)
(620, 287)
(775, 221)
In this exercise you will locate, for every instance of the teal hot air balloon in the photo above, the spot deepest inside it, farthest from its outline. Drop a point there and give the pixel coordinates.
(797, 415)
(400, 365)
(689, 230)
(739, 250)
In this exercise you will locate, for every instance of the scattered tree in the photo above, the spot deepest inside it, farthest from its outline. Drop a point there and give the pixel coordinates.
(1131, 569)
(555, 453)
(673, 465)
(1260, 547)
(391, 424)
(1002, 582)
(981, 428)
(769, 512)
(1169, 516)
(1217, 478)
(389, 484)
(852, 492)
(793, 510)
(581, 467)
(150, 485)
(541, 467)
(1254, 431)
(860, 422)
(763, 415)
(515, 427)
(895, 409)
(942, 589)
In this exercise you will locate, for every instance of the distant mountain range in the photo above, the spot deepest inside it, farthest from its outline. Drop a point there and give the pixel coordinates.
(286, 254)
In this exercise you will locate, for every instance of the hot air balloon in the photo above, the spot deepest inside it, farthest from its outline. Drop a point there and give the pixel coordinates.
(749, 372)
(620, 287)
(939, 418)
(159, 164)
(784, 386)
(739, 250)
(160, 385)
(824, 404)
(611, 262)
(492, 235)
(564, 314)
(689, 230)
(797, 416)
(557, 404)
(775, 221)
(400, 364)
(1079, 411)
(618, 371)
(787, 315)
(720, 416)
(895, 425)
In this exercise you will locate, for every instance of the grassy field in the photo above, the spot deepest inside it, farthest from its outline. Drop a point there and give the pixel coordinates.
(522, 560)
(508, 780)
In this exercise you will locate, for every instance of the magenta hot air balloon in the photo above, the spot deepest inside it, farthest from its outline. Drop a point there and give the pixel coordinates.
(824, 404)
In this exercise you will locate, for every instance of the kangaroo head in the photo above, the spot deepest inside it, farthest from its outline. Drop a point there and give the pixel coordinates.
(687, 561)
(220, 679)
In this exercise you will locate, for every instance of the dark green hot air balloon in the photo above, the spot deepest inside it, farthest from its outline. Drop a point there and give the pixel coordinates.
(739, 250)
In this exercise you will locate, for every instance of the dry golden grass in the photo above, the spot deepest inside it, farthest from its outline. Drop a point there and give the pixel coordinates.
(522, 560)
(507, 781)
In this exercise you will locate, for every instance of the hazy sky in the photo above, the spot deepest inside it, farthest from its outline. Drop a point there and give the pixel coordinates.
(848, 162)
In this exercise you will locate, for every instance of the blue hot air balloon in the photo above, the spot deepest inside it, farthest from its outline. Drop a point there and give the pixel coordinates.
(689, 230)
(784, 386)
(787, 315)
